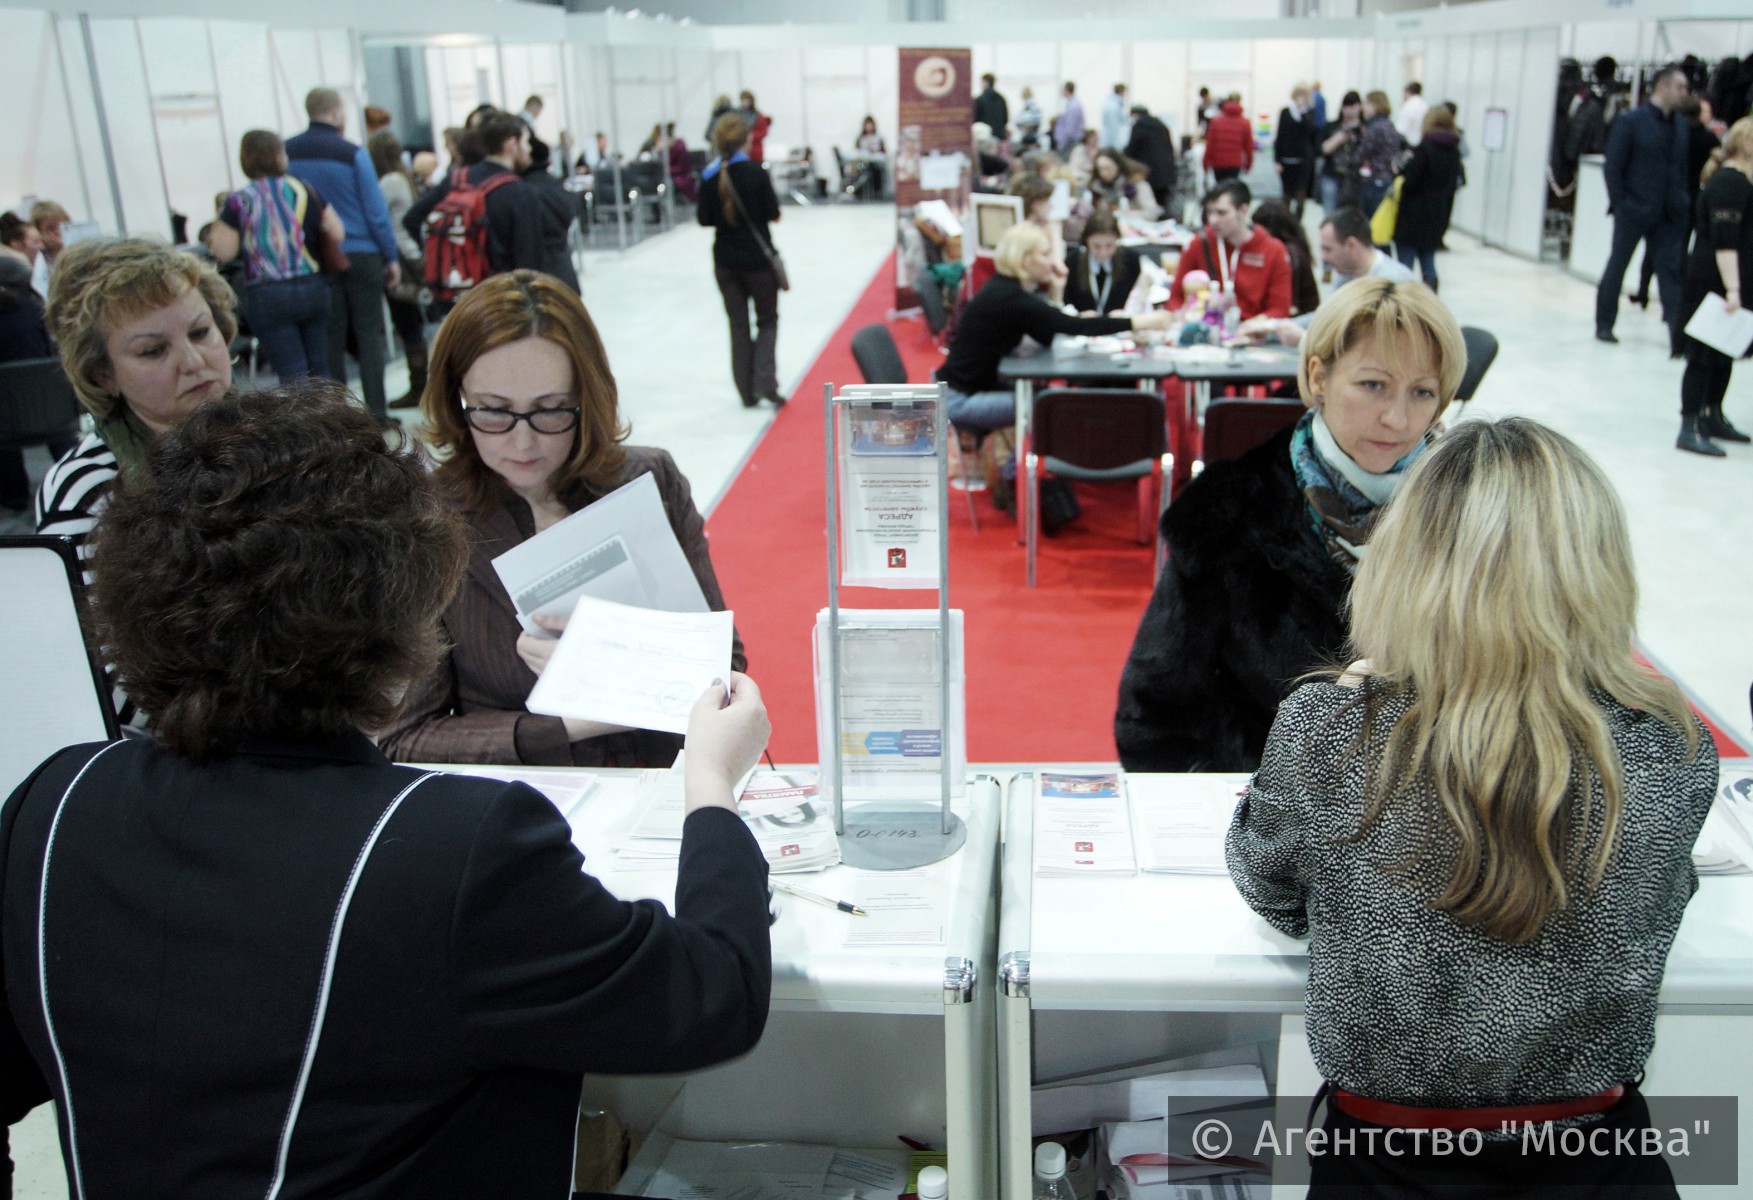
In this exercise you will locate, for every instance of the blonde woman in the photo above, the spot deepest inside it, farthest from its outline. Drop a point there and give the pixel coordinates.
(1001, 314)
(1262, 549)
(1484, 827)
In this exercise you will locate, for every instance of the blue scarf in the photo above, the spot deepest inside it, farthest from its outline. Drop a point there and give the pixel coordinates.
(1343, 499)
(712, 167)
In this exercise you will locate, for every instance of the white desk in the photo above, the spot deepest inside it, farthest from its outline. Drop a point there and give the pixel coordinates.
(1099, 972)
(862, 1044)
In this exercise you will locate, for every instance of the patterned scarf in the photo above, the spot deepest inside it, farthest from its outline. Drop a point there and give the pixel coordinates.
(127, 439)
(1343, 499)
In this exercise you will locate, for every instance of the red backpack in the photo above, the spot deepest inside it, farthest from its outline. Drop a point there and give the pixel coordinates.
(456, 235)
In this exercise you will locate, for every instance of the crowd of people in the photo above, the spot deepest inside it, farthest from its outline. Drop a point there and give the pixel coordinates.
(321, 965)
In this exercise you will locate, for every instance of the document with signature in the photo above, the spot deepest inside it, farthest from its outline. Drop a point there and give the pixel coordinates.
(633, 666)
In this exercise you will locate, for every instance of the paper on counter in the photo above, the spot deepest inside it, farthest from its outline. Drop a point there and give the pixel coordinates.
(871, 1174)
(1725, 843)
(1182, 821)
(567, 789)
(906, 908)
(633, 666)
(620, 548)
(1082, 826)
(1727, 332)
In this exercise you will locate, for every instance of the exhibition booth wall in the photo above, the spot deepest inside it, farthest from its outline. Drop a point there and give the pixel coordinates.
(125, 119)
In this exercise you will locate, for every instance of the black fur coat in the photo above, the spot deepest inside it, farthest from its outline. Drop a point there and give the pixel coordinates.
(1247, 602)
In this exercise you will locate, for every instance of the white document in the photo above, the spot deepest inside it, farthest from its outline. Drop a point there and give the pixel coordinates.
(742, 1171)
(1059, 203)
(1725, 843)
(567, 789)
(906, 908)
(1728, 332)
(1182, 820)
(1082, 826)
(633, 666)
(870, 1174)
(891, 494)
(620, 548)
(941, 172)
(939, 214)
(891, 703)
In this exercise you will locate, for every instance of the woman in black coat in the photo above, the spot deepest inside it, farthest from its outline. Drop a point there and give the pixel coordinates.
(1427, 195)
(1262, 549)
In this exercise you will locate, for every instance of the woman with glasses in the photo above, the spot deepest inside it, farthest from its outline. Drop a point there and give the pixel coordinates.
(522, 406)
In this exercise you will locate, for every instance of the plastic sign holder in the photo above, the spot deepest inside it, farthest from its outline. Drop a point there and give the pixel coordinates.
(895, 833)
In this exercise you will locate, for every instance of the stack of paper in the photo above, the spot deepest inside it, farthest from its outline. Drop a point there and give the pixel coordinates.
(794, 829)
(776, 1171)
(1182, 821)
(1082, 827)
(1725, 844)
(1141, 1094)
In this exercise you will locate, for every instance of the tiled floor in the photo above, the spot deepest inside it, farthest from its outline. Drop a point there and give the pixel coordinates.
(1692, 519)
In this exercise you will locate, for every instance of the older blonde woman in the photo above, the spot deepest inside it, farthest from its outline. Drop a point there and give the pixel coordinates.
(1001, 314)
(1262, 549)
(144, 333)
(1485, 831)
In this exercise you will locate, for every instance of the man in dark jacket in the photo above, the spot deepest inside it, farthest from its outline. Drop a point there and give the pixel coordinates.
(1645, 175)
(1153, 145)
(342, 174)
(514, 222)
(990, 107)
(557, 208)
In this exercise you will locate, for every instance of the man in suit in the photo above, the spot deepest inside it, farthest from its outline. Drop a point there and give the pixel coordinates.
(1645, 174)
(1153, 145)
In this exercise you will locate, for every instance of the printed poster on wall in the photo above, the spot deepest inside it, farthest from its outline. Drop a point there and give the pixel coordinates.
(934, 163)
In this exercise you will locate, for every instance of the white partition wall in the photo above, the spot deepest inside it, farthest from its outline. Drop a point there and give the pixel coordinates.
(49, 138)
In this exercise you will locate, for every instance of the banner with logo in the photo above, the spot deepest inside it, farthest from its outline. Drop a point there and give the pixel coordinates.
(934, 165)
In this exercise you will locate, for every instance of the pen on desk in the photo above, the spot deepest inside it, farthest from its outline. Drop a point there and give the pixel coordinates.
(844, 906)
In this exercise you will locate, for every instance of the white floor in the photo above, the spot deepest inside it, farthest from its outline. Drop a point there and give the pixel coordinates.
(1691, 518)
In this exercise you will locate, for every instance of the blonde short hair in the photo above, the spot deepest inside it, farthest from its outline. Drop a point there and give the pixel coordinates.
(1018, 242)
(1381, 309)
(99, 283)
(1379, 101)
(48, 210)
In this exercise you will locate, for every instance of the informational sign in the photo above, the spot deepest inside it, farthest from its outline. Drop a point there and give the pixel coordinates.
(891, 504)
(934, 156)
(1497, 128)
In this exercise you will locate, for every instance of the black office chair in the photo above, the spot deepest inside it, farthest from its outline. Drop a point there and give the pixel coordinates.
(1236, 425)
(37, 405)
(930, 293)
(1481, 353)
(1103, 435)
(873, 349)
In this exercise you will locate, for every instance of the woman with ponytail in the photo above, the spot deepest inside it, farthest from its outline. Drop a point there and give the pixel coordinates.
(1484, 828)
(737, 198)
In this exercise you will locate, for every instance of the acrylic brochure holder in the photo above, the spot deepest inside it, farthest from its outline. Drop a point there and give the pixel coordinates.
(890, 689)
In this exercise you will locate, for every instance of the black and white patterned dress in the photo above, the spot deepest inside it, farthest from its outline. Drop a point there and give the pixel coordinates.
(1405, 1004)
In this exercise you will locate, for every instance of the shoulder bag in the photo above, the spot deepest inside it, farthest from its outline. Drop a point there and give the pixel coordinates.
(773, 260)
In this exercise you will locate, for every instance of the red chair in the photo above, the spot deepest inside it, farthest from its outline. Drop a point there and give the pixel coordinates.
(1234, 426)
(1098, 434)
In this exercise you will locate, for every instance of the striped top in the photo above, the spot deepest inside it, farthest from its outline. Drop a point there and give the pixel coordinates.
(277, 218)
(68, 505)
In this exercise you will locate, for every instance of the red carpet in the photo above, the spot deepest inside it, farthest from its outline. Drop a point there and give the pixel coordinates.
(1043, 664)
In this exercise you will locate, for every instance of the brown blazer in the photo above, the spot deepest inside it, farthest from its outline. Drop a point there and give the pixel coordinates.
(471, 709)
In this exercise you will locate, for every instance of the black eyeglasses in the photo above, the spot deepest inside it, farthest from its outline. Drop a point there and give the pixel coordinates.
(503, 420)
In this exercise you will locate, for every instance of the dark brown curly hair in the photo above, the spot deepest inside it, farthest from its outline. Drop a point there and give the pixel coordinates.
(277, 572)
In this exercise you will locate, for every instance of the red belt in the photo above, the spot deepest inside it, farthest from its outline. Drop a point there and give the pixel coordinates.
(1408, 1116)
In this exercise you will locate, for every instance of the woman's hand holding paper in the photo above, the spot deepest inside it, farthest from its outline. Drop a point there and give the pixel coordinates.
(724, 741)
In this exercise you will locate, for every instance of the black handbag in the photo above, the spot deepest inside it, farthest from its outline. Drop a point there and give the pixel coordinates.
(773, 260)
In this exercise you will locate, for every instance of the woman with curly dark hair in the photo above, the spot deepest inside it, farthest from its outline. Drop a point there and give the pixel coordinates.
(251, 955)
(521, 403)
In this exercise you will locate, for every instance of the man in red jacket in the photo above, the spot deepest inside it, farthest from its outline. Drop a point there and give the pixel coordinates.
(1237, 255)
(1229, 142)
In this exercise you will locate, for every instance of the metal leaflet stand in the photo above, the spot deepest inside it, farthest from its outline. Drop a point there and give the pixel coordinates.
(907, 834)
